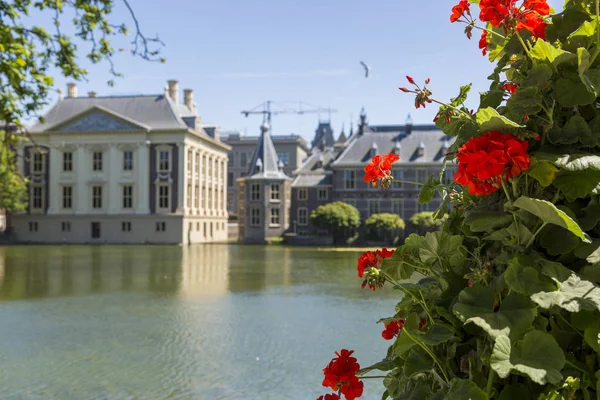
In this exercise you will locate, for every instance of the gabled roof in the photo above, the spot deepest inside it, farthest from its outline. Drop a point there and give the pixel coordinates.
(156, 112)
(316, 169)
(230, 137)
(265, 163)
(98, 108)
(386, 138)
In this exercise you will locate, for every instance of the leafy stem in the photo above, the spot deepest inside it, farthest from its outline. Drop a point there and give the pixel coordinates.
(409, 182)
(570, 326)
(428, 351)
(412, 295)
(523, 43)
(490, 382)
(373, 377)
(506, 192)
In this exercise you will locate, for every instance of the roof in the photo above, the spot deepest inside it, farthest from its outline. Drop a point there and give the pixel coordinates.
(315, 171)
(313, 180)
(324, 132)
(228, 137)
(341, 140)
(385, 138)
(157, 112)
(265, 162)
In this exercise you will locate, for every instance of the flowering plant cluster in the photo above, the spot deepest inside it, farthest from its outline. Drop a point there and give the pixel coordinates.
(340, 376)
(506, 303)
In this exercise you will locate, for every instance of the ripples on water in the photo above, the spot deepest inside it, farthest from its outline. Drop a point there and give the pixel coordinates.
(168, 322)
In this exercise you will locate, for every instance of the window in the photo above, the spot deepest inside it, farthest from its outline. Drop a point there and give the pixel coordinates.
(37, 197)
(196, 196)
(96, 197)
(210, 167)
(302, 216)
(255, 216)
(284, 157)
(205, 227)
(197, 165)
(189, 195)
(197, 226)
(230, 159)
(128, 196)
(422, 175)
(97, 161)
(350, 202)
(67, 162)
(230, 179)
(398, 207)
(373, 206)
(349, 179)
(274, 216)
(163, 161)
(67, 197)
(128, 161)
(303, 194)
(274, 191)
(126, 226)
(95, 230)
(255, 191)
(161, 226)
(448, 177)
(38, 162)
(322, 194)
(163, 197)
(243, 159)
(421, 207)
(65, 226)
(189, 162)
(210, 199)
(33, 226)
(397, 174)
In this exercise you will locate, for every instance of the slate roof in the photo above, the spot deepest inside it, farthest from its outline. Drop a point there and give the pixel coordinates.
(236, 136)
(386, 137)
(313, 180)
(316, 169)
(265, 163)
(155, 111)
(324, 131)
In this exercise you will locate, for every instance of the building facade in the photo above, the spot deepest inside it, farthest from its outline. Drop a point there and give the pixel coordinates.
(291, 150)
(264, 195)
(336, 173)
(124, 169)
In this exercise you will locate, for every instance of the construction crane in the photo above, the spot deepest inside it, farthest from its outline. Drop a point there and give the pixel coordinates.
(270, 108)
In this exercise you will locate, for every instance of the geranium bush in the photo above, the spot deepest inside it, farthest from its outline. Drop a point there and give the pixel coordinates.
(509, 303)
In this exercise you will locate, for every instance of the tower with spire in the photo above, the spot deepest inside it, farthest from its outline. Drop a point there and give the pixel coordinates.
(264, 195)
(323, 134)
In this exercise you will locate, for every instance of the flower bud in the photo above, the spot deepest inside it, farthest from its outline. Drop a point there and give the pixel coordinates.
(410, 80)
(405, 90)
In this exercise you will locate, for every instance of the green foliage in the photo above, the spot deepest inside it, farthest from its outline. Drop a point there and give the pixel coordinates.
(385, 222)
(339, 218)
(511, 280)
(426, 222)
(13, 189)
(31, 53)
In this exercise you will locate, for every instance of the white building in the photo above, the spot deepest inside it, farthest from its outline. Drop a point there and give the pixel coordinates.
(124, 169)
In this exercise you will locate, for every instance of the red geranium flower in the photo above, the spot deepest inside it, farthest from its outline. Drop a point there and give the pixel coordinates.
(392, 329)
(510, 87)
(331, 396)
(368, 265)
(340, 375)
(485, 161)
(422, 324)
(483, 43)
(506, 13)
(380, 169)
(459, 10)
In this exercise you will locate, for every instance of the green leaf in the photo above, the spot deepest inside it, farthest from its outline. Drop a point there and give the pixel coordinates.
(583, 64)
(463, 389)
(544, 51)
(573, 162)
(492, 98)
(383, 365)
(438, 334)
(462, 96)
(477, 305)
(537, 356)
(549, 214)
(439, 246)
(578, 185)
(557, 241)
(488, 119)
(402, 344)
(583, 36)
(591, 217)
(569, 93)
(575, 130)
(539, 76)
(417, 361)
(591, 79)
(526, 101)
(487, 221)
(525, 278)
(592, 336)
(514, 392)
(573, 295)
(542, 171)
(428, 190)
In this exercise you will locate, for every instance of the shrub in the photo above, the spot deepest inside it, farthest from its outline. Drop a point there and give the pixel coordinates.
(510, 304)
(385, 226)
(338, 218)
(425, 221)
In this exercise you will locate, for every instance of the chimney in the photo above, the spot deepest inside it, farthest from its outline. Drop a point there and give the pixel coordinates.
(174, 91)
(217, 133)
(71, 90)
(188, 98)
(363, 121)
(409, 125)
(91, 94)
(60, 94)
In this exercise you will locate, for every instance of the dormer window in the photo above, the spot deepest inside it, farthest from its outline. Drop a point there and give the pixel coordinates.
(373, 149)
(421, 150)
(397, 148)
(320, 162)
(445, 146)
(258, 165)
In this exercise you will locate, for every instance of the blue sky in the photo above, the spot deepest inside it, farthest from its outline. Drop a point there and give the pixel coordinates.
(237, 54)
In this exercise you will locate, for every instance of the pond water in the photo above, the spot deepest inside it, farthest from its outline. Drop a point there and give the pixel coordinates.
(168, 322)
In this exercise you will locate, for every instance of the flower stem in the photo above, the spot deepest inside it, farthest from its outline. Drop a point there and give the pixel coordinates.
(428, 351)
(490, 382)
(506, 192)
(523, 43)
(407, 292)
(535, 234)
(409, 182)
(556, 196)
(371, 377)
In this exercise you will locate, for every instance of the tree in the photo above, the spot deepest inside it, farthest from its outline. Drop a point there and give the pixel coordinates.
(340, 219)
(424, 222)
(30, 52)
(385, 225)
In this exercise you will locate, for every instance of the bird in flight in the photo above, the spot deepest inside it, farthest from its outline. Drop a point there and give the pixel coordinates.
(367, 69)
